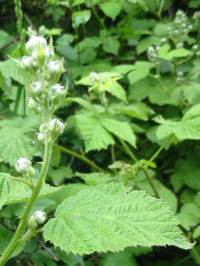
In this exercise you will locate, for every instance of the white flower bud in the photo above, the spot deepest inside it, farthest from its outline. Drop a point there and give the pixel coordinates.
(36, 87)
(56, 125)
(48, 52)
(41, 136)
(40, 217)
(31, 103)
(180, 74)
(36, 42)
(163, 40)
(27, 61)
(180, 45)
(195, 47)
(23, 165)
(55, 66)
(57, 90)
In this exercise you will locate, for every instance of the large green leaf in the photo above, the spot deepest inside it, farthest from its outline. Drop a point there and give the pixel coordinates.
(16, 140)
(83, 222)
(14, 191)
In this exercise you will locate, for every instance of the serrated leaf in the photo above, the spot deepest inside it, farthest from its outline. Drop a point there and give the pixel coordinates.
(94, 135)
(111, 9)
(120, 129)
(129, 219)
(13, 191)
(16, 140)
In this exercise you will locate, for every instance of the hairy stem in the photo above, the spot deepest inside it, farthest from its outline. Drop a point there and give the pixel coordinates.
(25, 216)
(80, 157)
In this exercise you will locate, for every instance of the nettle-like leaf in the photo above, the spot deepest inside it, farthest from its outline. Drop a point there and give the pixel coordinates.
(14, 191)
(110, 218)
(94, 135)
(16, 140)
(97, 132)
(120, 129)
(186, 128)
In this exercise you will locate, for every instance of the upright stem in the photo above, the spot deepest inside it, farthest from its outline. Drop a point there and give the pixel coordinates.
(24, 218)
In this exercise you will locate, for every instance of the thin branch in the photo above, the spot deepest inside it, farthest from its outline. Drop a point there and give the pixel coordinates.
(80, 157)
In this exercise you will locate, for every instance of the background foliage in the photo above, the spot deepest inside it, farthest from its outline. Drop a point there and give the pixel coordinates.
(133, 114)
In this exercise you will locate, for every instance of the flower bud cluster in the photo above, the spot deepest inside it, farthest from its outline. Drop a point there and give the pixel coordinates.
(24, 167)
(37, 219)
(180, 28)
(45, 70)
(50, 130)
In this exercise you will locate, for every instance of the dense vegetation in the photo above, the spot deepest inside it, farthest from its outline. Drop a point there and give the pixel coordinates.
(123, 184)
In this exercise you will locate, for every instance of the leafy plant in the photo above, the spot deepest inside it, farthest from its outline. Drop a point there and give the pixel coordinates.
(120, 185)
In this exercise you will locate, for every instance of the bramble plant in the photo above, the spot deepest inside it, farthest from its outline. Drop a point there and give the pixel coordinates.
(82, 223)
(99, 133)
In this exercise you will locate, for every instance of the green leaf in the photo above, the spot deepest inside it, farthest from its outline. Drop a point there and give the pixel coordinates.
(164, 193)
(5, 38)
(80, 17)
(180, 52)
(129, 219)
(11, 70)
(141, 70)
(13, 191)
(94, 135)
(111, 45)
(120, 129)
(117, 90)
(159, 92)
(16, 139)
(188, 172)
(189, 215)
(111, 9)
(124, 258)
(186, 128)
(95, 178)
